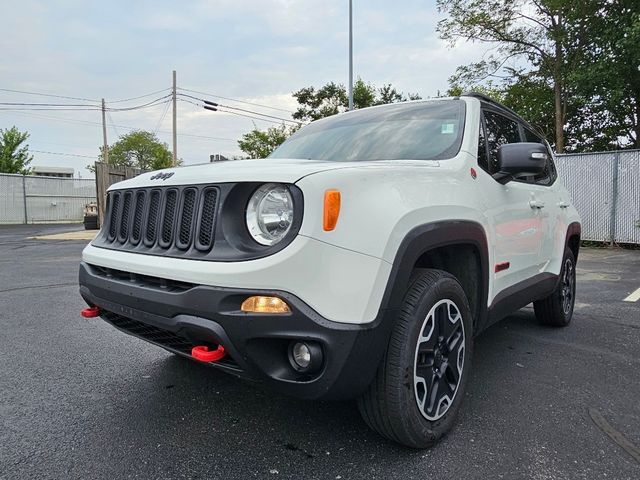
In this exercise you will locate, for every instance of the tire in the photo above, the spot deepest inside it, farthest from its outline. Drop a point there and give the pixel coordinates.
(557, 309)
(396, 403)
(90, 223)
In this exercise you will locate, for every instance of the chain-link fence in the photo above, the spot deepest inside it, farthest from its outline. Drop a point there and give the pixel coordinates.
(605, 188)
(34, 199)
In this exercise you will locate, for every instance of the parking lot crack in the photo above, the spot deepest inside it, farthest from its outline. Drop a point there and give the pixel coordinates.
(614, 434)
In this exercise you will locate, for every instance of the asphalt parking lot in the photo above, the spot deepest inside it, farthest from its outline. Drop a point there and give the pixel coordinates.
(79, 399)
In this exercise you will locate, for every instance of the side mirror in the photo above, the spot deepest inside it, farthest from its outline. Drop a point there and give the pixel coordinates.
(519, 160)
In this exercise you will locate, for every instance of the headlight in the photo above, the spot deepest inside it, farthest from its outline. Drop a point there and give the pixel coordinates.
(270, 213)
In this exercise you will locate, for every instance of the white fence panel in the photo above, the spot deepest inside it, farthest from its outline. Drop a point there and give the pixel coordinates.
(589, 179)
(605, 188)
(11, 199)
(627, 215)
(47, 200)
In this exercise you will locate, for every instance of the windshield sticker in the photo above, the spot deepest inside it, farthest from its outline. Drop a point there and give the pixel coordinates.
(447, 128)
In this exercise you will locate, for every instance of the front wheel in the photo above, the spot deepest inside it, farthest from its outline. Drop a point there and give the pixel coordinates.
(420, 384)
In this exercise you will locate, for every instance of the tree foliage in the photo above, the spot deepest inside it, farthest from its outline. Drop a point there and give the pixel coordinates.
(578, 59)
(14, 153)
(607, 73)
(260, 143)
(139, 149)
(333, 98)
(532, 30)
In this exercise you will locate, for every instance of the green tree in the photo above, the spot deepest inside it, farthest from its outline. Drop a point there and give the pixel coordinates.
(260, 143)
(536, 31)
(333, 98)
(14, 156)
(139, 149)
(587, 51)
(607, 74)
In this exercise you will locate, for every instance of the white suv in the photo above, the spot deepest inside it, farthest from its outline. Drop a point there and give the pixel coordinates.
(358, 261)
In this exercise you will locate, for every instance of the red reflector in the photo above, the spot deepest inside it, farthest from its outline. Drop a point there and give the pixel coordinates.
(502, 266)
(473, 173)
(202, 353)
(90, 312)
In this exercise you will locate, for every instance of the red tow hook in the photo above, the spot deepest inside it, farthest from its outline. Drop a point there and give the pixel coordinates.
(202, 353)
(90, 312)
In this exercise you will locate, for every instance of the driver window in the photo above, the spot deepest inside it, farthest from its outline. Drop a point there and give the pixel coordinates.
(499, 130)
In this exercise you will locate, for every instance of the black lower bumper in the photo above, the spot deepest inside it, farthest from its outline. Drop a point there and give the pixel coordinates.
(178, 316)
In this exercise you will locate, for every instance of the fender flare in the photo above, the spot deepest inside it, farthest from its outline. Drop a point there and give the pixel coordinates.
(430, 236)
(574, 229)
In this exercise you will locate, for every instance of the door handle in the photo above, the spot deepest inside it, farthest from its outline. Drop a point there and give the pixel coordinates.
(536, 204)
(563, 205)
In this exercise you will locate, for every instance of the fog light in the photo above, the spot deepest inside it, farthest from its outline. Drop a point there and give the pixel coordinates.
(305, 356)
(265, 305)
(301, 355)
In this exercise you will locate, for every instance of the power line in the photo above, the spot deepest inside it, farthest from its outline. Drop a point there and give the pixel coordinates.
(152, 103)
(136, 98)
(48, 95)
(28, 109)
(65, 154)
(74, 106)
(52, 95)
(214, 104)
(90, 123)
(113, 125)
(251, 117)
(236, 100)
(164, 114)
(232, 113)
(48, 104)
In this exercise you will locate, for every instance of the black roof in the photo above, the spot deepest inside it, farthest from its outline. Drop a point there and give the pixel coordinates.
(484, 98)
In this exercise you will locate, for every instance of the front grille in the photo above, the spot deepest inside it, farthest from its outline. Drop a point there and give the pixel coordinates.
(152, 219)
(162, 219)
(159, 336)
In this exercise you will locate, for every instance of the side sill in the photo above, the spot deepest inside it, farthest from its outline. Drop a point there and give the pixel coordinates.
(520, 295)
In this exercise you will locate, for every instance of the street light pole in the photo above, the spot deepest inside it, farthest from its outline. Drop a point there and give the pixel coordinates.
(350, 55)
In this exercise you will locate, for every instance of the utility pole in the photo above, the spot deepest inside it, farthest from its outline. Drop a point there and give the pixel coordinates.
(350, 55)
(175, 133)
(105, 145)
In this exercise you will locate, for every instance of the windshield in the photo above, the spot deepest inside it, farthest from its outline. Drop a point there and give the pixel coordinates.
(410, 131)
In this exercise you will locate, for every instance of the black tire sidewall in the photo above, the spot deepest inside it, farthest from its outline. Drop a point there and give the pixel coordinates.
(419, 427)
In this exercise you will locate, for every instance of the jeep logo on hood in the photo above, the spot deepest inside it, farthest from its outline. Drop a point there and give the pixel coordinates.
(162, 176)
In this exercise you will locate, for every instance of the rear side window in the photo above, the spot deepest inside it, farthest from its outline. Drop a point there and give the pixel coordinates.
(499, 130)
(483, 161)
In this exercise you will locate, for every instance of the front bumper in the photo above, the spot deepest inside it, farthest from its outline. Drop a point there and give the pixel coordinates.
(178, 315)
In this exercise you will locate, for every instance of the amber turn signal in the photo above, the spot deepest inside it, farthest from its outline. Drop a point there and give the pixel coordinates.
(331, 209)
(260, 304)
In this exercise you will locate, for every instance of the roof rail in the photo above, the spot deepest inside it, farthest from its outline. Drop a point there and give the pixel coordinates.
(485, 98)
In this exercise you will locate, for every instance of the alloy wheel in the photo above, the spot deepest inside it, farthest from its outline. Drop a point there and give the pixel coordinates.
(439, 359)
(568, 286)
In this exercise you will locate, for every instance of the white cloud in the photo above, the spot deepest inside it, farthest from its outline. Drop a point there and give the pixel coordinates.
(254, 50)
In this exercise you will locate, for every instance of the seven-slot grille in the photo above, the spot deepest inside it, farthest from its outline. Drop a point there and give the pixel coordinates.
(162, 218)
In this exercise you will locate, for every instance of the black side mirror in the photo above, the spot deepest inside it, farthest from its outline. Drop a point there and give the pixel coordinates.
(519, 160)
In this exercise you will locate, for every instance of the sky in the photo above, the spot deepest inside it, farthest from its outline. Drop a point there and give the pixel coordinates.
(258, 51)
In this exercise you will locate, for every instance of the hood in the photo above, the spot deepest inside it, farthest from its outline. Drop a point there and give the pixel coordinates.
(262, 170)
